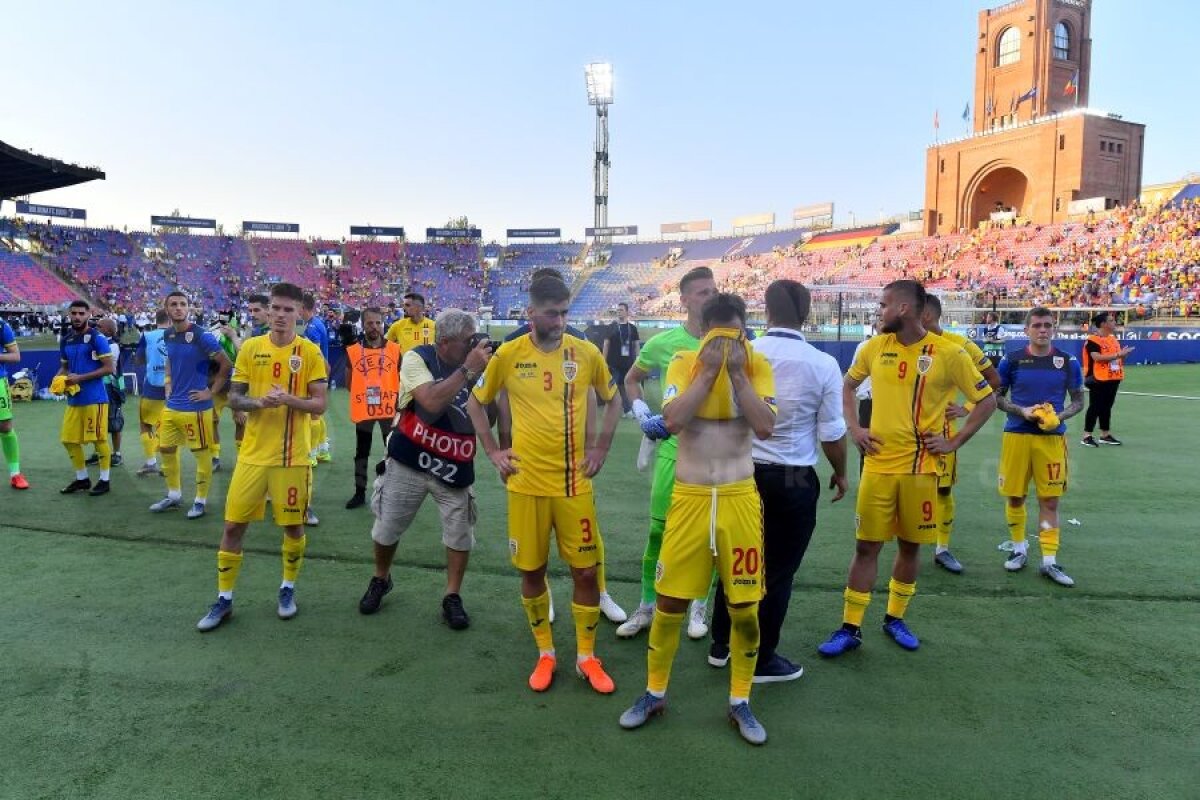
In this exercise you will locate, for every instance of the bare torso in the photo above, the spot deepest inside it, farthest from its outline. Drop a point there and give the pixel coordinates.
(714, 452)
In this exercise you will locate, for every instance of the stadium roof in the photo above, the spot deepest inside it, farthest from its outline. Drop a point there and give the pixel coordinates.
(23, 173)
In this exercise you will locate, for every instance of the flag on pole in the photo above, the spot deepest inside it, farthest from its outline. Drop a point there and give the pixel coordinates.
(1030, 95)
(1012, 104)
(967, 113)
(935, 120)
(1072, 86)
(991, 106)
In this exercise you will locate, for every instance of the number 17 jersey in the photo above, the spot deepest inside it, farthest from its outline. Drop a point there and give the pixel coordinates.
(277, 437)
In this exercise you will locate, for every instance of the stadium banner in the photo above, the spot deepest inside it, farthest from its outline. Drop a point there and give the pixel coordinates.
(612, 230)
(271, 227)
(452, 233)
(1133, 334)
(183, 222)
(50, 211)
(754, 220)
(813, 212)
(376, 230)
(534, 233)
(696, 226)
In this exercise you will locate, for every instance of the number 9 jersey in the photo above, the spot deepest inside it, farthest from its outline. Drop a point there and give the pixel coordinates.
(277, 437)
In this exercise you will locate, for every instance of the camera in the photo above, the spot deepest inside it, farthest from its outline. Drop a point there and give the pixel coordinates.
(479, 337)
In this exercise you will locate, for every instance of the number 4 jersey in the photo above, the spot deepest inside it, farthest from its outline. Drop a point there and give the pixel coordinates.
(277, 437)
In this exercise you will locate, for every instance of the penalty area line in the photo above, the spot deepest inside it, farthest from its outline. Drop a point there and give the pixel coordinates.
(1167, 396)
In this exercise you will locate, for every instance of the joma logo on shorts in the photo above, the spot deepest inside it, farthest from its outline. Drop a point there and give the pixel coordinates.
(745, 582)
(587, 548)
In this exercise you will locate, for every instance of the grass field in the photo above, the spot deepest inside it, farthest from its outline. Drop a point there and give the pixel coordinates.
(1021, 688)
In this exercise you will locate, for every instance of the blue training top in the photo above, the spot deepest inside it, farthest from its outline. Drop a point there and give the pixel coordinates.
(82, 353)
(6, 338)
(1032, 380)
(189, 353)
(316, 332)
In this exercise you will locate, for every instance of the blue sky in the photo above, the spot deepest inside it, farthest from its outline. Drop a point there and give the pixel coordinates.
(412, 113)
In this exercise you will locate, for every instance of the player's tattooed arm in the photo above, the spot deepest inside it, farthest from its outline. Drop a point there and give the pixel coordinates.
(1007, 405)
(1074, 407)
(238, 400)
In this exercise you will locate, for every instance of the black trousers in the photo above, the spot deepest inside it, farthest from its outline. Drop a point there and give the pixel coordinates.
(618, 372)
(789, 498)
(362, 448)
(1101, 397)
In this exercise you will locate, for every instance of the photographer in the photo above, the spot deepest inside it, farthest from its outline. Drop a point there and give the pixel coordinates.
(431, 451)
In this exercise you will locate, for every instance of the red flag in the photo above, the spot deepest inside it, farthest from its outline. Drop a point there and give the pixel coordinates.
(1072, 86)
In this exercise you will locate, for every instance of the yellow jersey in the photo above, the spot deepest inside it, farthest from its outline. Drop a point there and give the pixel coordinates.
(277, 437)
(910, 388)
(547, 394)
(409, 334)
(721, 402)
(977, 357)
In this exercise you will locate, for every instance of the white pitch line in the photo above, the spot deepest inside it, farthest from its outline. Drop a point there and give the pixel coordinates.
(1168, 396)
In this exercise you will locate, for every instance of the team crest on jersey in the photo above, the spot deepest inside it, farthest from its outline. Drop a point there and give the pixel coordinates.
(187, 337)
(294, 363)
(923, 364)
(87, 337)
(570, 370)
(1059, 361)
(671, 391)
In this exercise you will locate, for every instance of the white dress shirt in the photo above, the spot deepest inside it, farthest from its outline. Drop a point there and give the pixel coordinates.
(863, 392)
(808, 399)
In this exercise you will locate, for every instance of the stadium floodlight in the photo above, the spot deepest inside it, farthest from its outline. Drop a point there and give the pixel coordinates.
(599, 78)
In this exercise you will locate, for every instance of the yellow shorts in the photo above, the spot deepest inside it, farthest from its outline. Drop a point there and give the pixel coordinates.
(712, 526)
(220, 401)
(1029, 455)
(150, 411)
(896, 506)
(288, 488)
(84, 424)
(191, 428)
(949, 474)
(530, 519)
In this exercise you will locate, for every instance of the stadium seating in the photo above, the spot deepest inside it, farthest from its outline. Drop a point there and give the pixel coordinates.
(27, 284)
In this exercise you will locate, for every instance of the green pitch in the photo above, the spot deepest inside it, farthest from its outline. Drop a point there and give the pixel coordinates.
(1021, 688)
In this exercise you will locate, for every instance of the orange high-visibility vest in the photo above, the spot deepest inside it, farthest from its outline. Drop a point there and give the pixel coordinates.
(1104, 370)
(374, 381)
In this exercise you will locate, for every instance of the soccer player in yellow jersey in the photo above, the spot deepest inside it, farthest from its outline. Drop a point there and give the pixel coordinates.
(931, 319)
(279, 381)
(914, 376)
(414, 328)
(715, 401)
(548, 469)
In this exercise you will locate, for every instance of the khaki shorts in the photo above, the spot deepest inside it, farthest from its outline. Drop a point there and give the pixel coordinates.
(398, 495)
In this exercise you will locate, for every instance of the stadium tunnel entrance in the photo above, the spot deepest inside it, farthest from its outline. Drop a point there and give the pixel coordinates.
(997, 188)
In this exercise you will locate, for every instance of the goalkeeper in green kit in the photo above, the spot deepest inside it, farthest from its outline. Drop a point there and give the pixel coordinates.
(695, 287)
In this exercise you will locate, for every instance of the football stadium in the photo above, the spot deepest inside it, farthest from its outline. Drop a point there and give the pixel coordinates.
(969, 403)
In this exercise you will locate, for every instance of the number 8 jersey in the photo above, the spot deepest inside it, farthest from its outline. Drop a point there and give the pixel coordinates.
(277, 437)
(910, 388)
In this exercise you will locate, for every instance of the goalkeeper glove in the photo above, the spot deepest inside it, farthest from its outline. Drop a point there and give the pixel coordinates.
(655, 427)
(640, 409)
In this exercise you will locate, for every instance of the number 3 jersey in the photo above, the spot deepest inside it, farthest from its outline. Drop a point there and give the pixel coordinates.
(548, 396)
(277, 437)
(910, 388)
(442, 445)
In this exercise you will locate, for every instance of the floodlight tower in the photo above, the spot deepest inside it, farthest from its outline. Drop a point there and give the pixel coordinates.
(599, 78)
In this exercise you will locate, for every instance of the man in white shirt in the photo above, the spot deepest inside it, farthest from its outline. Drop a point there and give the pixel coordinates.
(808, 393)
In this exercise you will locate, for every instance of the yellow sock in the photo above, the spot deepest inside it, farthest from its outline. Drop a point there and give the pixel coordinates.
(945, 504)
(855, 606)
(204, 470)
(75, 452)
(586, 620)
(149, 444)
(104, 450)
(171, 469)
(743, 649)
(1014, 517)
(228, 567)
(898, 596)
(1049, 539)
(660, 655)
(537, 611)
(215, 447)
(293, 557)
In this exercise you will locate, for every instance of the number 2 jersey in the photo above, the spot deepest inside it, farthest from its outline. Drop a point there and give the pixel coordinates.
(277, 437)
(910, 388)
(547, 393)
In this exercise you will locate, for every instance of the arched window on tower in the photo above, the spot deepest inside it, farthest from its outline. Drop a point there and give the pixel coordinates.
(1009, 51)
(1062, 41)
